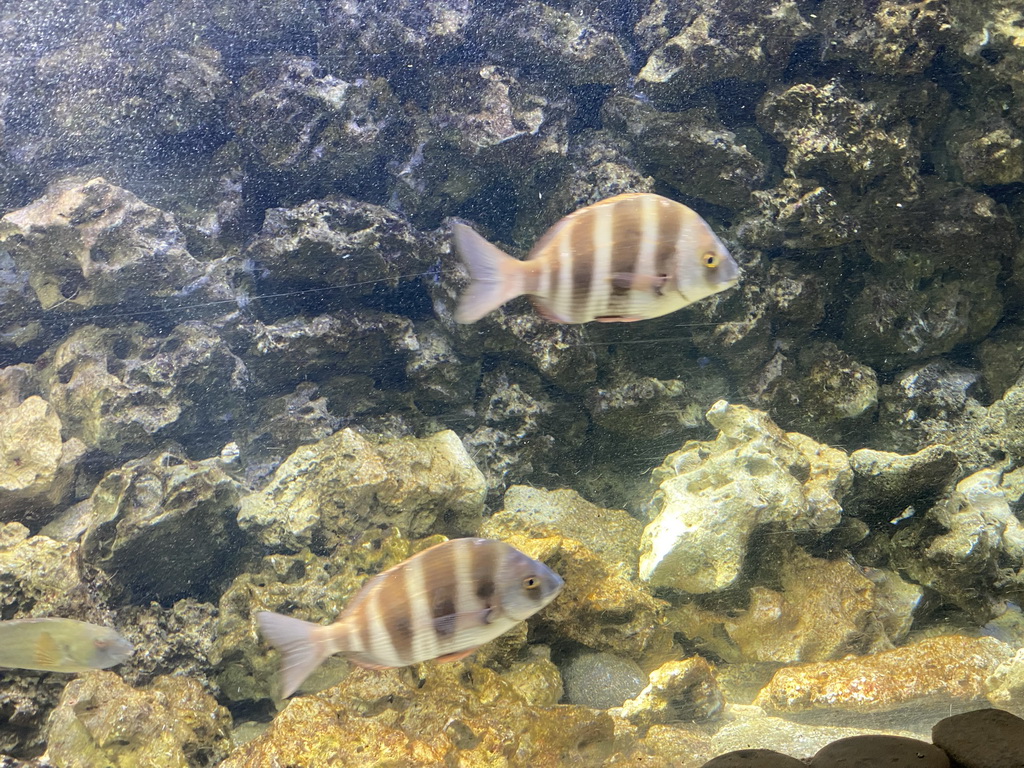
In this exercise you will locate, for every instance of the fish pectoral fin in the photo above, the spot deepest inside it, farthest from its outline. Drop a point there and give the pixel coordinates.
(456, 656)
(627, 281)
(46, 652)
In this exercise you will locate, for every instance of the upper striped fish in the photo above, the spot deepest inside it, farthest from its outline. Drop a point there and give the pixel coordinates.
(629, 257)
(60, 645)
(442, 603)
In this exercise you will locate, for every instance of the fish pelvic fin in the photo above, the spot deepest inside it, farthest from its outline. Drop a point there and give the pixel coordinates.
(302, 645)
(495, 277)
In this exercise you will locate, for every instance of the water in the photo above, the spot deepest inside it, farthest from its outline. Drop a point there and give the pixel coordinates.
(230, 378)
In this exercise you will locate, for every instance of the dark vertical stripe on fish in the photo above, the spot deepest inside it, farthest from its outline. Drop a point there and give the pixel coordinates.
(441, 589)
(583, 244)
(396, 612)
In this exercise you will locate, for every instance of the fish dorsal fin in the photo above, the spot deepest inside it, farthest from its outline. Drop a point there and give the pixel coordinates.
(46, 652)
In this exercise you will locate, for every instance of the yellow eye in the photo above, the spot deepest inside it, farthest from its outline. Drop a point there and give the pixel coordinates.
(531, 582)
(710, 259)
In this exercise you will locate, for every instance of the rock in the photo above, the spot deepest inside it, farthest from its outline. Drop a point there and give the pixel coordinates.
(37, 468)
(487, 134)
(889, 37)
(415, 36)
(171, 724)
(893, 320)
(121, 390)
(598, 608)
(679, 691)
(338, 242)
(691, 151)
(750, 40)
(1006, 686)
(825, 389)
(645, 408)
(150, 511)
(782, 735)
(120, 106)
(525, 429)
(612, 534)
(304, 585)
(885, 484)
(19, 307)
(426, 716)
(981, 539)
(871, 750)
(936, 672)
(547, 42)
(932, 403)
(989, 155)
(822, 609)
(350, 485)
(1002, 359)
(179, 639)
(754, 758)
(704, 510)
(985, 738)
(829, 132)
(335, 133)
(662, 746)
(601, 680)
(40, 575)
(92, 244)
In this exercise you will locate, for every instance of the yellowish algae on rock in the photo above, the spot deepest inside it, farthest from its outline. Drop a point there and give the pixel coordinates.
(101, 720)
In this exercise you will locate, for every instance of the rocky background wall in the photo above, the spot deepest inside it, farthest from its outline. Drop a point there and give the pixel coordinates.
(230, 378)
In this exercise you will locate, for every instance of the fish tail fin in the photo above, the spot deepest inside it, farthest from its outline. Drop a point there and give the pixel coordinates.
(301, 643)
(495, 277)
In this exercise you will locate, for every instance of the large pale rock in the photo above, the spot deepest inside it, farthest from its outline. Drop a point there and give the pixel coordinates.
(351, 485)
(939, 671)
(36, 466)
(712, 495)
(91, 244)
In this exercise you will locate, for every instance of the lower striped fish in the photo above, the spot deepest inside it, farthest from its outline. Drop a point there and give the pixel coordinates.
(629, 257)
(60, 645)
(442, 603)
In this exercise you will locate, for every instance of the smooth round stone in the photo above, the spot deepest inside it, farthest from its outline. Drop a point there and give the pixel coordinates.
(879, 751)
(985, 738)
(754, 758)
(602, 680)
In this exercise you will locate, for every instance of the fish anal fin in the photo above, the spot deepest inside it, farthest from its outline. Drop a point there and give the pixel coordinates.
(456, 656)
(617, 319)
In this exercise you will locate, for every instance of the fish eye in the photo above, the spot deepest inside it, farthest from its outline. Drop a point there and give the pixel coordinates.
(531, 582)
(710, 259)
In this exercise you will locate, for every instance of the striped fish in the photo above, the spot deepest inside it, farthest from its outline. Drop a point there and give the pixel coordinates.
(630, 257)
(442, 603)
